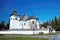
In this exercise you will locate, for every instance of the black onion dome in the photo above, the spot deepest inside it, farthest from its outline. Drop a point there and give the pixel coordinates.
(15, 13)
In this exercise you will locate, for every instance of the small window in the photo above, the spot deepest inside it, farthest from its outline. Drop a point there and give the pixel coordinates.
(32, 22)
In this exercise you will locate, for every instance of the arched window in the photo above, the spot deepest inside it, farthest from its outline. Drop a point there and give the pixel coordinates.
(32, 22)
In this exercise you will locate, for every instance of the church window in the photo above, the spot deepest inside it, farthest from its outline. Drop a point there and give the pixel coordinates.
(32, 22)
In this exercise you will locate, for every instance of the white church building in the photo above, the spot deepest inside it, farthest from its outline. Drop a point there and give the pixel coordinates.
(24, 25)
(23, 22)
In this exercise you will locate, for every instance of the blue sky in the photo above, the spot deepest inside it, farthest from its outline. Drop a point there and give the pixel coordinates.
(42, 9)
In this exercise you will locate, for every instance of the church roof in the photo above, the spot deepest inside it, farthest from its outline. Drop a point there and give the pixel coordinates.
(24, 17)
(32, 17)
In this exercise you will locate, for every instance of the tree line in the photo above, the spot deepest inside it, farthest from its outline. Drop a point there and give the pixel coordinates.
(4, 26)
(55, 23)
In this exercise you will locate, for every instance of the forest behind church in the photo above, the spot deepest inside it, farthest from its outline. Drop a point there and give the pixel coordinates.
(55, 23)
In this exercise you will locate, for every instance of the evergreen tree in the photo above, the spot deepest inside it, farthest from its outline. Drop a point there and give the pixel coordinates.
(0, 26)
(8, 25)
(45, 24)
(3, 25)
(55, 22)
(58, 27)
(59, 21)
(52, 24)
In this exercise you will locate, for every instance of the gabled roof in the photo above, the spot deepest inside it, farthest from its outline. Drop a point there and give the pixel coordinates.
(24, 17)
